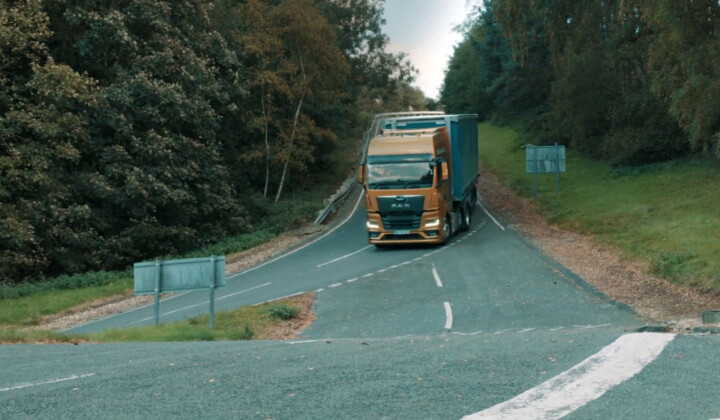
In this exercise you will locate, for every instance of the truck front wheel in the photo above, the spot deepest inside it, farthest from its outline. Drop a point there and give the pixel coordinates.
(447, 229)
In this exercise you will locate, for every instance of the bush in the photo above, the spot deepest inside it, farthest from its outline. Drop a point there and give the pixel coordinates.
(283, 312)
(64, 282)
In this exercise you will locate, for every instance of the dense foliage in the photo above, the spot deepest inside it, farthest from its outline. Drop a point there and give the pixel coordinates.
(136, 128)
(631, 82)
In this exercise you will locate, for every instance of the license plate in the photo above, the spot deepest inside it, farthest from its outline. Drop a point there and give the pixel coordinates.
(402, 232)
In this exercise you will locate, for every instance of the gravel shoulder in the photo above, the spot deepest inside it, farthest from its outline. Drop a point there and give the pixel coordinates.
(629, 282)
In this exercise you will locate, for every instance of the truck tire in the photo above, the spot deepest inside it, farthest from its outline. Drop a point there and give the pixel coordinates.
(447, 229)
(465, 218)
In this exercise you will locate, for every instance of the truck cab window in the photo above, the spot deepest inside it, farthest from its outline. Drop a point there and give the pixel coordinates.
(400, 175)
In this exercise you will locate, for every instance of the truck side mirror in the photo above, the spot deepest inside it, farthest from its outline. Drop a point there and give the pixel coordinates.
(444, 171)
(361, 174)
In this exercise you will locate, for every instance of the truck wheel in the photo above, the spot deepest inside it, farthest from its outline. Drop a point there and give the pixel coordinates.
(465, 219)
(447, 229)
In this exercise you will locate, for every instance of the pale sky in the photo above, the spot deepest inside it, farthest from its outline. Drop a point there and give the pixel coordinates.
(423, 29)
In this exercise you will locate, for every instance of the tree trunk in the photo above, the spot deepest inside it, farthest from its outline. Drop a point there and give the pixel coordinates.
(267, 143)
(292, 133)
(290, 145)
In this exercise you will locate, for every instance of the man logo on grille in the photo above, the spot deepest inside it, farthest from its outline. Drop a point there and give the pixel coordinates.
(400, 203)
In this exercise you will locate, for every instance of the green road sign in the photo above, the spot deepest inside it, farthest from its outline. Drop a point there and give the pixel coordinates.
(545, 160)
(179, 275)
(156, 277)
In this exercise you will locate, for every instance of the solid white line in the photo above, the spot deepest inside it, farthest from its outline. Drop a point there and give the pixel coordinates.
(491, 216)
(278, 298)
(526, 330)
(448, 316)
(343, 257)
(48, 382)
(437, 277)
(307, 341)
(583, 383)
(307, 244)
(590, 327)
(242, 291)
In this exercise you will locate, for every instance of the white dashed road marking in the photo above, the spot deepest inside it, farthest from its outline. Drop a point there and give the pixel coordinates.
(448, 316)
(438, 281)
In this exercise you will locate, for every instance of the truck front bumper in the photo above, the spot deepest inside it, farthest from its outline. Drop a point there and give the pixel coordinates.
(430, 231)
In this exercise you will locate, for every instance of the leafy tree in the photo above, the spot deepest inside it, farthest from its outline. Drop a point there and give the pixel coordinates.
(685, 65)
(43, 126)
(154, 172)
(314, 67)
(463, 90)
(572, 72)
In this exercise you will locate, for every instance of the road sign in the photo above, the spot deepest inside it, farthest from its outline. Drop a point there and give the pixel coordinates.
(156, 277)
(545, 160)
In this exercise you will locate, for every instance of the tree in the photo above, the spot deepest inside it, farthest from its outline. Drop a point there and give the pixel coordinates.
(154, 174)
(684, 64)
(314, 68)
(44, 119)
(463, 90)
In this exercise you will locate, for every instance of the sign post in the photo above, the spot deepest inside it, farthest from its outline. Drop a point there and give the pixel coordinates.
(545, 160)
(155, 278)
(158, 287)
(212, 294)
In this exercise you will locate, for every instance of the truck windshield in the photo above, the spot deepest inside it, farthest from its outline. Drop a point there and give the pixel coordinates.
(396, 176)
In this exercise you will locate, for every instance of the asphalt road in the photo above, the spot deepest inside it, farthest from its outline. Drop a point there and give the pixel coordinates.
(485, 326)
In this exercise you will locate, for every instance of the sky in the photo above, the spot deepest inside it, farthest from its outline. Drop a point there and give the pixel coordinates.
(423, 29)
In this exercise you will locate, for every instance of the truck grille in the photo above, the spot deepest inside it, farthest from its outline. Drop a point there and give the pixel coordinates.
(401, 221)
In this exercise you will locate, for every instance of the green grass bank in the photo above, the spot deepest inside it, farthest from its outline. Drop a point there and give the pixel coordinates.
(667, 215)
(265, 321)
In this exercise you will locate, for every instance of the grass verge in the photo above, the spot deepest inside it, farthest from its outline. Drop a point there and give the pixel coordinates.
(667, 215)
(280, 319)
(29, 310)
(25, 304)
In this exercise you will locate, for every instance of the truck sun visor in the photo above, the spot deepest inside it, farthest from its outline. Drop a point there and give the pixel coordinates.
(425, 157)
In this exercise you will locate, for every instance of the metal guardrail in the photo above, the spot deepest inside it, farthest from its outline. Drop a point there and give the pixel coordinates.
(335, 200)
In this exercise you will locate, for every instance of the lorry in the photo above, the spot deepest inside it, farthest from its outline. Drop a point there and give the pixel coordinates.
(419, 173)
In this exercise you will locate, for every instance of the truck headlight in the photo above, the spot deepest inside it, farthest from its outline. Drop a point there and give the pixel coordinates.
(371, 224)
(431, 223)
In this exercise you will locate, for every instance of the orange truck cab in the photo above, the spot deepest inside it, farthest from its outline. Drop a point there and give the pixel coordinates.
(419, 176)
